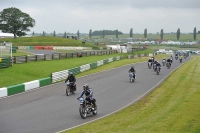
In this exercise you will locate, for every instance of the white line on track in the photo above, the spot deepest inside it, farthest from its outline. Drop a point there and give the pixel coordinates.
(127, 104)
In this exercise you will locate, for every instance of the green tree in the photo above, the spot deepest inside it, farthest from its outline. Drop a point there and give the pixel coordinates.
(117, 33)
(195, 33)
(90, 33)
(43, 34)
(65, 35)
(54, 33)
(103, 33)
(178, 33)
(145, 33)
(131, 33)
(161, 34)
(78, 34)
(13, 20)
(33, 34)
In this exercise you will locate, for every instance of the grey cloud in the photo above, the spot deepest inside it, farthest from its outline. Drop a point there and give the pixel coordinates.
(91, 4)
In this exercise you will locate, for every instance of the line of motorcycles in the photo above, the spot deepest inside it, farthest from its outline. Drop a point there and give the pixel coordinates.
(86, 107)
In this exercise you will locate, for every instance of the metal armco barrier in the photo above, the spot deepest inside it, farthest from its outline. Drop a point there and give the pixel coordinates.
(57, 56)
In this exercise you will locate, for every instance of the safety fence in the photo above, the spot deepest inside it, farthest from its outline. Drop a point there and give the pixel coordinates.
(61, 75)
(140, 55)
(57, 56)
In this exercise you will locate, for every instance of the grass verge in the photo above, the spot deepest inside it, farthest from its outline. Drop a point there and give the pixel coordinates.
(173, 107)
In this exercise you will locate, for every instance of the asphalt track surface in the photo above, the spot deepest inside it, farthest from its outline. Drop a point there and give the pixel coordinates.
(49, 110)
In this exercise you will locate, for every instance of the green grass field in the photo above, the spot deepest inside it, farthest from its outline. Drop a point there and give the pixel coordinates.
(173, 107)
(47, 41)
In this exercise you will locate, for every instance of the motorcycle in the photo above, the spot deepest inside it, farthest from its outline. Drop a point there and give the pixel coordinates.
(176, 57)
(163, 62)
(157, 70)
(86, 107)
(154, 67)
(70, 88)
(180, 60)
(131, 75)
(149, 65)
(168, 65)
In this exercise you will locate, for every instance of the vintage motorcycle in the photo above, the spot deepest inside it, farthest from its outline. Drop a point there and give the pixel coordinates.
(163, 62)
(149, 65)
(157, 69)
(168, 65)
(70, 88)
(86, 107)
(131, 76)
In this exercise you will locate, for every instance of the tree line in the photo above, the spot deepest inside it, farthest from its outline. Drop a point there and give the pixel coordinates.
(13, 20)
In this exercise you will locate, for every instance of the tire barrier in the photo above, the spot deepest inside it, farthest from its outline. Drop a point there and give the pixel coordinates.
(61, 75)
(5, 62)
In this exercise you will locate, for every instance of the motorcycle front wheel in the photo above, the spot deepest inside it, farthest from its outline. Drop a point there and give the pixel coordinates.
(82, 111)
(67, 91)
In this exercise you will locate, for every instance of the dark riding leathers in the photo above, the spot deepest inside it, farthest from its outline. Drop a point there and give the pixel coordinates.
(158, 66)
(89, 96)
(71, 78)
(169, 60)
(151, 61)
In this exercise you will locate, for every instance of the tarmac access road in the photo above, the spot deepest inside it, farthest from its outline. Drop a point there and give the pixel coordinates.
(49, 110)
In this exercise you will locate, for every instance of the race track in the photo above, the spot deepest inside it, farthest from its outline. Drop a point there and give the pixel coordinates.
(49, 110)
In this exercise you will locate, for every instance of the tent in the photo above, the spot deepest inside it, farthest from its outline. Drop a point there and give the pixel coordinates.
(6, 35)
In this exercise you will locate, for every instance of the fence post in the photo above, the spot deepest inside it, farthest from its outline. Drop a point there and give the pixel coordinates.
(59, 55)
(52, 56)
(26, 58)
(66, 55)
(45, 57)
(72, 55)
(15, 59)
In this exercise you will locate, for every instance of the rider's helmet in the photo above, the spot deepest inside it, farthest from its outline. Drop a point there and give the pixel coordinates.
(132, 67)
(85, 86)
(70, 74)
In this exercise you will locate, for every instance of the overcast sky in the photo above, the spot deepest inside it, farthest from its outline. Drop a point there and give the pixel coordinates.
(83, 15)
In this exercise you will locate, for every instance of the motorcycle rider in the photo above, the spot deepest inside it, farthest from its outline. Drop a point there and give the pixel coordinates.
(163, 61)
(150, 61)
(169, 61)
(71, 78)
(132, 70)
(158, 65)
(153, 59)
(171, 58)
(180, 58)
(89, 95)
(154, 64)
